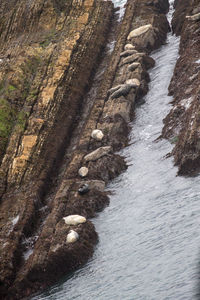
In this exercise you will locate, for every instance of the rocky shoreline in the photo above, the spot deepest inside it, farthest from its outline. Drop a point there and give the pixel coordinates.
(182, 123)
(53, 139)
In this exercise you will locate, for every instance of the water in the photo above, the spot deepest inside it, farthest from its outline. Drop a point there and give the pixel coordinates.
(149, 235)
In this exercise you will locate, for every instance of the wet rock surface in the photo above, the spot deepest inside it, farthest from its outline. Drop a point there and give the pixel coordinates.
(41, 154)
(182, 123)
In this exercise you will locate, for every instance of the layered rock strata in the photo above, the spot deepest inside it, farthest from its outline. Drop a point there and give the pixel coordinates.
(183, 121)
(49, 50)
(41, 144)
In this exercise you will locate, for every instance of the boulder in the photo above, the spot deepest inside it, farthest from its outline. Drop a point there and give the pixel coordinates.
(72, 237)
(98, 185)
(148, 61)
(98, 153)
(97, 135)
(74, 220)
(83, 171)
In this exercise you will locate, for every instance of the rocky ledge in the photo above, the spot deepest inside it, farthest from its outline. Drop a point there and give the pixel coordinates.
(183, 122)
(57, 156)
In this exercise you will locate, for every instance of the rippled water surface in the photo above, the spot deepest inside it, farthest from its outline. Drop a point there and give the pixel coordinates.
(149, 235)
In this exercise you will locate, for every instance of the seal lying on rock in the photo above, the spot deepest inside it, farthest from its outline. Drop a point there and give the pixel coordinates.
(195, 17)
(134, 82)
(83, 171)
(94, 184)
(83, 189)
(133, 66)
(97, 134)
(143, 36)
(74, 219)
(139, 31)
(112, 90)
(130, 59)
(123, 89)
(129, 47)
(72, 237)
(127, 53)
(98, 153)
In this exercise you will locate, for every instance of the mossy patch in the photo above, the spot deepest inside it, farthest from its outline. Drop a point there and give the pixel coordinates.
(174, 140)
(48, 39)
(7, 90)
(13, 96)
(21, 120)
(11, 88)
(6, 123)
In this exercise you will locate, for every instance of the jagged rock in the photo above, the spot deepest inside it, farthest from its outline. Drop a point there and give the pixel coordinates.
(72, 237)
(129, 47)
(133, 82)
(74, 220)
(98, 153)
(133, 66)
(127, 53)
(83, 171)
(97, 135)
(97, 185)
(83, 189)
(195, 17)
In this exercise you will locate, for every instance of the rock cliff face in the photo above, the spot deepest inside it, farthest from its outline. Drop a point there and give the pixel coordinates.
(182, 123)
(49, 52)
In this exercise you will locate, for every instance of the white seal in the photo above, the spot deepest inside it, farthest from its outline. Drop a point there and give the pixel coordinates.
(72, 237)
(74, 220)
(97, 135)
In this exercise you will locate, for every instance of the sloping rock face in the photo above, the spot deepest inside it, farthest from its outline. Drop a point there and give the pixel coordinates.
(182, 123)
(49, 50)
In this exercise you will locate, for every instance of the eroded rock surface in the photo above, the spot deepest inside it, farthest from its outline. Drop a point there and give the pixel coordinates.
(182, 123)
(49, 51)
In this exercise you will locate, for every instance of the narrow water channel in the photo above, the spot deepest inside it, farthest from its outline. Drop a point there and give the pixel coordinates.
(149, 235)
